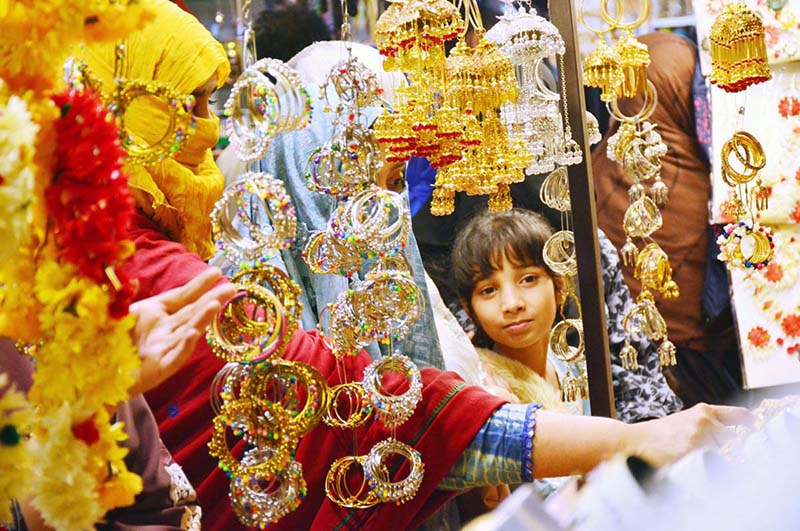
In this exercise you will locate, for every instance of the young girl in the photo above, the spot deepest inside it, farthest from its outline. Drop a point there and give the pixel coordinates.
(513, 298)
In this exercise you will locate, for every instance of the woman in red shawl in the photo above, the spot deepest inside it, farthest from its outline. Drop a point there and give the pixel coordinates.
(701, 374)
(450, 417)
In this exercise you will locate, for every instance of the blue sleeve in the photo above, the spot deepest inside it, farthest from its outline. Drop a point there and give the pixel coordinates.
(501, 452)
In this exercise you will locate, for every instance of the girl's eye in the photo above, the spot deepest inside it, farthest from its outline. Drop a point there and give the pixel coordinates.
(529, 279)
(488, 290)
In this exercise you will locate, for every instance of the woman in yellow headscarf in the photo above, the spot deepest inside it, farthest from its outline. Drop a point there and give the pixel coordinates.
(177, 193)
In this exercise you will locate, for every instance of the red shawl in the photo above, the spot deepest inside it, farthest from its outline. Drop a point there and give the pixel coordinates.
(443, 424)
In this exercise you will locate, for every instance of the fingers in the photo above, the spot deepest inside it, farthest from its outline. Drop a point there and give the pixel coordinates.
(177, 298)
(177, 355)
(218, 295)
(732, 416)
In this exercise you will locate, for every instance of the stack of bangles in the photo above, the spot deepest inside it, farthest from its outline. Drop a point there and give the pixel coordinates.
(236, 223)
(382, 307)
(259, 108)
(374, 223)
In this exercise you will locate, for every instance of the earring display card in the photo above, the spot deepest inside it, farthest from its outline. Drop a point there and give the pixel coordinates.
(781, 24)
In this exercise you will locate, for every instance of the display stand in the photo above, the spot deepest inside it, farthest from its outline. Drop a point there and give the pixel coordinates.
(584, 221)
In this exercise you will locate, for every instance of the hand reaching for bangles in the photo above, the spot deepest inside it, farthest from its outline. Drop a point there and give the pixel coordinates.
(169, 325)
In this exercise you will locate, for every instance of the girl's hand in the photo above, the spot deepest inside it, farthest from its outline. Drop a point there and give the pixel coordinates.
(664, 440)
(168, 326)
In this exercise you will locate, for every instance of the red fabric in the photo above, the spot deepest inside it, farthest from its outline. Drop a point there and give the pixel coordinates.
(445, 421)
(182, 5)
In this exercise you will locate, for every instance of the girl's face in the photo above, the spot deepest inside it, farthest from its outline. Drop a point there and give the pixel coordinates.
(516, 307)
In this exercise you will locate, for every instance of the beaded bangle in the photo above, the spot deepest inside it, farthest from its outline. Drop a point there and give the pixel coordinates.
(268, 195)
(393, 410)
(226, 385)
(259, 502)
(287, 384)
(254, 341)
(261, 423)
(378, 478)
(251, 133)
(181, 120)
(285, 289)
(352, 394)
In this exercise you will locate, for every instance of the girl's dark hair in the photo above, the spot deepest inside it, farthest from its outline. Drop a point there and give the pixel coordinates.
(518, 235)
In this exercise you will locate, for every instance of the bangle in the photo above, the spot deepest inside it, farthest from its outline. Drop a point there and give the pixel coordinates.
(393, 410)
(235, 337)
(379, 478)
(291, 384)
(254, 194)
(259, 501)
(351, 394)
(339, 490)
(260, 423)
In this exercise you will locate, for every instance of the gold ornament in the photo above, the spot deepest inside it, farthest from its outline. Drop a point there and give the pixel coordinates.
(602, 68)
(738, 49)
(634, 60)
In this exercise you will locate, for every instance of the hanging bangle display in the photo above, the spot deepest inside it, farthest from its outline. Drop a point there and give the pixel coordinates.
(259, 501)
(378, 476)
(253, 195)
(393, 410)
(285, 289)
(559, 253)
(226, 385)
(352, 395)
(560, 345)
(299, 388)
(654, 271)
(745, 246)
(339, 489)
(642, 218)
(265, 425)
(250, 327)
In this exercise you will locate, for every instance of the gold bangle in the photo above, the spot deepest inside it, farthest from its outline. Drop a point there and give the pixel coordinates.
(353, 395)
(289, 384)
(260, 423)
(338, 489)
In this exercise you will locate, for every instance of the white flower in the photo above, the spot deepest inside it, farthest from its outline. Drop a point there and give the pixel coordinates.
(17, 171)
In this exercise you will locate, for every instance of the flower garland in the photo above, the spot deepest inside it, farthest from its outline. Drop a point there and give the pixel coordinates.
(17, 134)
(39, 34)
(15, 460)
(61, 292)
(89, 200)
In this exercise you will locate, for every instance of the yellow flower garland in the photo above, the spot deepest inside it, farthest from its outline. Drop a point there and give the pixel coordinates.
(72, 466)
(15, 459)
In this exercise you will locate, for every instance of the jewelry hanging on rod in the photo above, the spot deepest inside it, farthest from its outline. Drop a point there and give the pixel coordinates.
(535, 117)
(256, 395)
(739, 60)
(634, 56)
(602, 68)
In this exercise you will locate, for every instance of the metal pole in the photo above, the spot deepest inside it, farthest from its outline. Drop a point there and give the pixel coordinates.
(584, 219)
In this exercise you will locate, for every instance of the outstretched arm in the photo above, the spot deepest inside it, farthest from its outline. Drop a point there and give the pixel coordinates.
(570, 444)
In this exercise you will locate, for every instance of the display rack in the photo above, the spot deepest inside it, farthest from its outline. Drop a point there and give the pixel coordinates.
(584, 220)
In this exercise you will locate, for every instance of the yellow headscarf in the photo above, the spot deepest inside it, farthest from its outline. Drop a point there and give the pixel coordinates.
(174, 49)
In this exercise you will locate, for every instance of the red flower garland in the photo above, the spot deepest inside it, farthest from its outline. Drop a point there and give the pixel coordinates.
(88, 200)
